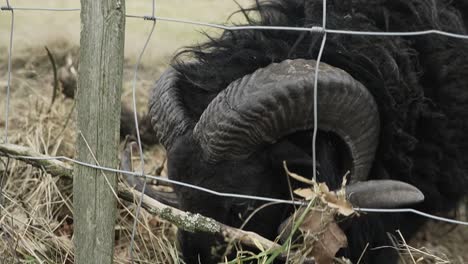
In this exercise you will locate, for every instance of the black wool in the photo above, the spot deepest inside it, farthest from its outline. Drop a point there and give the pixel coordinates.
(420, 84)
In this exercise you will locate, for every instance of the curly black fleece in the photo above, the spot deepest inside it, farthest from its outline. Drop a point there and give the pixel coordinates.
(420, 83)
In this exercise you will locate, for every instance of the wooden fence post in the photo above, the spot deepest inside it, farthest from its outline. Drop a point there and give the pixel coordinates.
(98, 116)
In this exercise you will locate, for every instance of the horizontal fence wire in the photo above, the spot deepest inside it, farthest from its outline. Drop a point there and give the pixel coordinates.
(233, 28)
(315, 29)
(40, 9)
(234, 195)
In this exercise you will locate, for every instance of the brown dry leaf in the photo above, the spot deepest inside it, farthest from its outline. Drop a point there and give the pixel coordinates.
(315, 221)
(328, 243)
(323, 187)
(325, 236)
(328, 238)
(340, 203)
(335, 200)
(306, 193)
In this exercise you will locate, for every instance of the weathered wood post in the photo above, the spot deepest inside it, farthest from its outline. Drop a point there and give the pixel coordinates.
(98, 115)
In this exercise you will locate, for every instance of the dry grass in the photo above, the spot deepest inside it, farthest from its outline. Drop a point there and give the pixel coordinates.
(36, 214)
(438, 243)
(36, 210)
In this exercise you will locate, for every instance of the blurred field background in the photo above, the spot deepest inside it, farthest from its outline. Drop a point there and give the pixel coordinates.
(59, 31)
(36, 223)
(39, 28)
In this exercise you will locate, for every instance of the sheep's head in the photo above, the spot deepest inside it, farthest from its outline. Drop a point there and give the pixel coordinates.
(245, 124)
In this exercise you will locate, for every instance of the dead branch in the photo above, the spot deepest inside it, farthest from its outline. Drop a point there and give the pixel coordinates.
(52, 166)
(196, 222)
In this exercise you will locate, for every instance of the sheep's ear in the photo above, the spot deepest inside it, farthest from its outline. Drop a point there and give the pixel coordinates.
(383, 194)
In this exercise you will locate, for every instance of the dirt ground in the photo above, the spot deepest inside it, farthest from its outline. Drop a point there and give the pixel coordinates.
(35, 124)
(444, 240)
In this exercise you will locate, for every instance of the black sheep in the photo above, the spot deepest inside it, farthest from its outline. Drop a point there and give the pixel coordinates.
(415, 100)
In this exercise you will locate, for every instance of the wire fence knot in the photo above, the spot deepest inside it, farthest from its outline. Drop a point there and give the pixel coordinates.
(317, 29)
(6, 8)
(152, 18)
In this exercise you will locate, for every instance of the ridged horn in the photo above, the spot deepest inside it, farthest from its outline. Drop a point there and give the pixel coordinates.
(168, 115)
(277, 100)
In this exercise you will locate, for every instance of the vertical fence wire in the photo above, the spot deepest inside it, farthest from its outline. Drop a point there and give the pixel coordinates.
(135, 115)
(315, 99)
(10, 53)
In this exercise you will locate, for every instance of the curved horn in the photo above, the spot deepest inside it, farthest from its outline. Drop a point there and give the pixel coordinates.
(277, 100)
(168, 115)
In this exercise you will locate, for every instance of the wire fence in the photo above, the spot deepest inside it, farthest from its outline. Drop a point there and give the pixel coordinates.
(154, 19)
